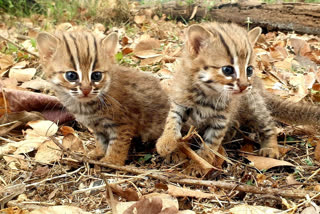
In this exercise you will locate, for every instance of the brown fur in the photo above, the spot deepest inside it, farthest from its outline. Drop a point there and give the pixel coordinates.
(122, 105)
(209, 99)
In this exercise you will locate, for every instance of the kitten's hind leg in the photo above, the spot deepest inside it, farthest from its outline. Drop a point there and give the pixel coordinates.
(119, 145)
(101, 145)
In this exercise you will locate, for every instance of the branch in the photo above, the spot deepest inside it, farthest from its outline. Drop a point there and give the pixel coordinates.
(173, 178)
(19, 47)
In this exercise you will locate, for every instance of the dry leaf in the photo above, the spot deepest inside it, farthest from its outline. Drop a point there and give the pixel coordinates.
(45, 128)
(16, 162)
(59, 210)
(186, 192)
(48, 152)
(139, 19)
(129, 194)
(147, 44)
(66, 130)
(291, 180)
(261, 178)
(263, 163)
(29, 145)
(14, 210)
(36, 84)
(6, 61)
(311, 210)
(22, 75)
(247, 209)
(72, 142)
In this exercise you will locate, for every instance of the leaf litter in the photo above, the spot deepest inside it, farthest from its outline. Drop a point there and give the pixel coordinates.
(37, 175)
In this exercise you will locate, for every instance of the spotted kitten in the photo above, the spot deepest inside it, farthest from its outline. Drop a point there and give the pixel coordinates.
(214, 85)
(115, 102)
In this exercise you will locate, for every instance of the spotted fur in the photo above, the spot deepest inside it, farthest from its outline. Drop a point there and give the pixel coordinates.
(210, 95)
(118, 105)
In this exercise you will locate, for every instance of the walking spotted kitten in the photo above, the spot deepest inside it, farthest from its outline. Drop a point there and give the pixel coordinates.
(214, 84)
(115, 102)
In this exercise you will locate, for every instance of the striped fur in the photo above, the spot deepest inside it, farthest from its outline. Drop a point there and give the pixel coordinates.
(123, 104)
(211, 95)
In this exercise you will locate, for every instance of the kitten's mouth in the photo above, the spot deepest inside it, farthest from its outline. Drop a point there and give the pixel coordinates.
(87, 98)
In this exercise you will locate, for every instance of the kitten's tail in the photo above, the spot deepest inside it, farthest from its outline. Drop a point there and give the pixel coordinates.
(292, 113)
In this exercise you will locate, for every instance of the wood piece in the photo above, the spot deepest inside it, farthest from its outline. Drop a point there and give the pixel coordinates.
(299, 17)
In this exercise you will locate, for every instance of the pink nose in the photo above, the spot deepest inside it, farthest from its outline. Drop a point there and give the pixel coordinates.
(243, 87)
(86, 91)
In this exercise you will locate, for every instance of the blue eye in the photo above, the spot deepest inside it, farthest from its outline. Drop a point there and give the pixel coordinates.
(249, 71)
(228, 70)
(96, 76)
(72, 76)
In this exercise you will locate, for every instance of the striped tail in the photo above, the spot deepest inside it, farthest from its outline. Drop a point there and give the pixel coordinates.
(292, 113)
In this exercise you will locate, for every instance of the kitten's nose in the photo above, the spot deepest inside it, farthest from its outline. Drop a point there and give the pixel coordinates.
(243, 87)
(86, 91)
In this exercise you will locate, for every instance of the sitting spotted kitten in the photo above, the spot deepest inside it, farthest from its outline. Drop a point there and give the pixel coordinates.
(214, 86)
(115, 102)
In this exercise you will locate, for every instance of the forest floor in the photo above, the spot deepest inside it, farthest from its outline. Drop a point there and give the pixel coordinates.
(43, 164)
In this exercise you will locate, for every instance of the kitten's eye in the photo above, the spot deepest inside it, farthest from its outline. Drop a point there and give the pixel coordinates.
(205, 67)
(249, 71)
(96, 76)
(72, 76)
(228, 70)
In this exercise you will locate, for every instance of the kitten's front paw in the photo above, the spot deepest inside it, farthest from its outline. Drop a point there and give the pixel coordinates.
(166, 144)
(272, 152)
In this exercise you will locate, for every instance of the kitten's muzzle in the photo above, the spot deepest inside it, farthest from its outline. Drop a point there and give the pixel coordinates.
(86, 91)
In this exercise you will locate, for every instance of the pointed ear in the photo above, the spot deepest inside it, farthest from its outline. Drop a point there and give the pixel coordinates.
(254, 34)
(197, 38)
(47, 45)
(110, 44)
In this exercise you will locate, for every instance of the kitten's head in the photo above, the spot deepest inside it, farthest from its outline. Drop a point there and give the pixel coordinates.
(222, 56)
(78, 63)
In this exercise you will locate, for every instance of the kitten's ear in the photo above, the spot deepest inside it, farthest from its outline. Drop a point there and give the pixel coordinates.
(197, 38)
(110, 44)
(47, 45)
(254, 34)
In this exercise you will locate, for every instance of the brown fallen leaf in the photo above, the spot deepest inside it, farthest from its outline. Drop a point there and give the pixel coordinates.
(311, 210)
(263, 163)
(22, 75)
(129, 194)
(49, 106)
(36, 84)
(59, 210)
(45, 128)
(147, 44)
(6, 61)
(140, 19)
(48, 152)
(290, 180)
(72, 141)
(14, 210)
(66, 130)
(246, 209)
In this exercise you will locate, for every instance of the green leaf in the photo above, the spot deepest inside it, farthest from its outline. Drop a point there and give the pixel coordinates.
(119, 56)
(147, 157)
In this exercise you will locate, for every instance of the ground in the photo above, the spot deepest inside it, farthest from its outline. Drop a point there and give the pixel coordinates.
(36, 172)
